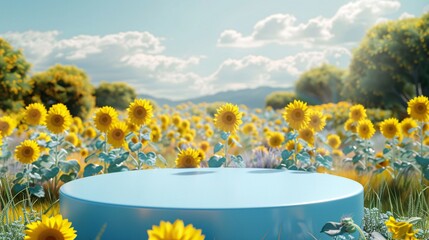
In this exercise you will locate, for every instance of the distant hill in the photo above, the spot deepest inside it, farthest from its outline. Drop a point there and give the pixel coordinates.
(253, 98)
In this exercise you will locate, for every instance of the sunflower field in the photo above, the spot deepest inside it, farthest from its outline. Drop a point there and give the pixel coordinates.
(41, 149)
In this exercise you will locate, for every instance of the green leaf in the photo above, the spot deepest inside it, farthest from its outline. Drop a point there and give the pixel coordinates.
(291, 135)
(333, 229)
(68, 166)
(122, 158)
(50, 173)
(217, 147)
(215, 161)
(67, 178)
(17, 188)
(37, 191)
(424, 162)
(356, 158)
(116, 168)
(148, 158)
(99, 144)
(91, 156)
(349, 149)
(286, 155)
(238, 161)
(224, 135)
(91, 169)
(386, 150)
(135, 147)
(303, 157)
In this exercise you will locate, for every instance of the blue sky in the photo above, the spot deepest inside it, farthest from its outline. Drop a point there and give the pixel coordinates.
(188, 48)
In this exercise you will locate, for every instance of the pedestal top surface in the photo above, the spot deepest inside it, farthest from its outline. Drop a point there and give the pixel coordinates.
(211, 188)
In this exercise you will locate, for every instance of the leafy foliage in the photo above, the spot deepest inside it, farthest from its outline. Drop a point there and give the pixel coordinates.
(320, 85)
(14, 83)
(117, 95)
(64, 84)
(391, 65)
(278, 100)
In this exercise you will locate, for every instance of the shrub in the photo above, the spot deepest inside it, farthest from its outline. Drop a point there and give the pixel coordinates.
(14, 83)
(64, 84)
(116, 95)
(278, 100)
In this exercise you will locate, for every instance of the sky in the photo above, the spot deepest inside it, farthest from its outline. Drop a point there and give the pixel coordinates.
(189, 48)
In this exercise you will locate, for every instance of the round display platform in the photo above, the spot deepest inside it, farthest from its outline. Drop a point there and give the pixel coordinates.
(226, 203)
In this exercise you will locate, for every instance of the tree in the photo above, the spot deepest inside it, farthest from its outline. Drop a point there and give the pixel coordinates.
(391, 65)
(116, 95)
(320, 85)
(278, 100)
(64, 84)
(14, 82)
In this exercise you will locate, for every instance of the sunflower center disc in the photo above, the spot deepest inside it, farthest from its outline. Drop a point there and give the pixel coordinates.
(140, 112)
(118, 134)
(4, 126)
(35, 114)
(225, 203)
(57, 120)
(27, 152)
(104, 119)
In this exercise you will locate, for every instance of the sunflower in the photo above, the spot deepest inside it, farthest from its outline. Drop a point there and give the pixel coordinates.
(357, 113)
(228, 118)
(27, 152)
(248, 128)
(72, 138)
(350, 125)
(176, 120)
(58, 119)
(296, 115)
(204, 145)
(116, 134)
(307, 134)
(365, 129)
(400, 230)
(275, 139)
(53, 228)
(406, 125)
(188, 158)
(35, 114)
(90, 133)
(84, 152)
(317, 120)
(7, 125)
(177, 230)
(290, 146)
(104, 118)
(140, 112)
(334, 141)
(418, 108)
(390, 128)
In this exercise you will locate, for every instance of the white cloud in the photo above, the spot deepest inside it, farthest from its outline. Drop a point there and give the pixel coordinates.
(347, 25)
(406, 15)
(139, 59)
(255, 71)
(134, 57)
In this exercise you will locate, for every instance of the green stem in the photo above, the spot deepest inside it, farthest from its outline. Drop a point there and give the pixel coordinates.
(105, 151)
(421, 151)
(295, 149)
(361, 233)
(56, 165)
(226, 152)
(421, 138)
(139, 164)
(28, 186)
